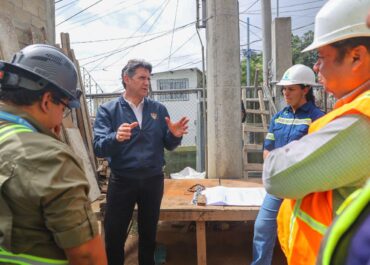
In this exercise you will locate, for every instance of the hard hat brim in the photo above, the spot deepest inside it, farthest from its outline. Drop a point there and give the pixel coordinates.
(290, 83)
(358, 30)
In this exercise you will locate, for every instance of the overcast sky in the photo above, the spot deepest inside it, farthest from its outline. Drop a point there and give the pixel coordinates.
(106, 33)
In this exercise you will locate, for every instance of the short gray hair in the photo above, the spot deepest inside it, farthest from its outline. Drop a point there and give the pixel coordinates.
(131, 66)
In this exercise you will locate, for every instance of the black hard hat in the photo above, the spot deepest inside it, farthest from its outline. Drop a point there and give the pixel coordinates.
(38, 66)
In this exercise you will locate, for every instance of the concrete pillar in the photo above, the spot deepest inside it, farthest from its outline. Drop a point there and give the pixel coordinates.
(224, 134)
(281, 53)
(266, 26)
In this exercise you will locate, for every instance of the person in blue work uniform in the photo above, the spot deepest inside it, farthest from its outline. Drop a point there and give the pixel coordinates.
(132, 131)
(289, 124)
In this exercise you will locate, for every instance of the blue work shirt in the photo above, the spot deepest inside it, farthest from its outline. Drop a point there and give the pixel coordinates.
(287, 126)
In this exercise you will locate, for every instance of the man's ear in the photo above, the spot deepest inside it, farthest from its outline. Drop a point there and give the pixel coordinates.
(358, 55)
(45, 101)
(125, 78)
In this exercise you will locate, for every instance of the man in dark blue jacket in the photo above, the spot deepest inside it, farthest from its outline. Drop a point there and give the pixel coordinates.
(132, 131)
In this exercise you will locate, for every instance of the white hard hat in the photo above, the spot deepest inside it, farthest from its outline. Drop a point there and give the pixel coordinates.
(339, 20)
(298, 74)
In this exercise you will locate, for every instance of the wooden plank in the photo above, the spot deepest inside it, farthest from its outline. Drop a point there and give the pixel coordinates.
(257, 111)
(262, 108)
(253, 167)
(84, 122)
(222, 213)
(253, 147)
(242, 183)
(77, 145)
(201, 243)
(80, 118)
(254, 129)
(254, 100)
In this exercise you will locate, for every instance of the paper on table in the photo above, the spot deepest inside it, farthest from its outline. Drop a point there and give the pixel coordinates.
(221, 195)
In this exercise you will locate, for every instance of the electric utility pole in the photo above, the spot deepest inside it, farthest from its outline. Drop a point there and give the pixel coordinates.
(266, 26)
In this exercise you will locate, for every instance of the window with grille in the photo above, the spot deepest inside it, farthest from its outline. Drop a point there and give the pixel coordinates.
(169, 84)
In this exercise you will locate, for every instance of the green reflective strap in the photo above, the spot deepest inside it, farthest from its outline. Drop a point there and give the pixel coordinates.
(12, 261)
(270, 136)
(292, 222)
(344, 221)
(315, 225)
(28, 259)
(12, 129)
(348, 201)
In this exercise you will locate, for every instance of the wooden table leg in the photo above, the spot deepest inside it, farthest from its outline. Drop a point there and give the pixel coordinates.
(201, 243)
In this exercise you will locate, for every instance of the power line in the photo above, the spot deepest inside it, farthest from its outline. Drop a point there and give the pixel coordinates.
(301, 27)
(70, 3)
(288, 6)
(255, 34)
(157, 60)
(97, 2)
(118, 50)
(250, 6)
(174, 24)
(176, 50)
(242, 45)
(90, 19)
(156, 19)
(250, 24)
(188, 63)
(156, 37)
(122, 38)
(286, 11)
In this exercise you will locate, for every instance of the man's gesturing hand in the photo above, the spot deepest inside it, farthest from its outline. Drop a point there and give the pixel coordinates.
(124, 131)
(179, 128)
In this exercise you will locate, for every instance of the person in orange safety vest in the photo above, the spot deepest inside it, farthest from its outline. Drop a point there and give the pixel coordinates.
(317, 173)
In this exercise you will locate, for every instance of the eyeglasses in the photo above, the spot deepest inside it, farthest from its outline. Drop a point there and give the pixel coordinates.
(66, 110)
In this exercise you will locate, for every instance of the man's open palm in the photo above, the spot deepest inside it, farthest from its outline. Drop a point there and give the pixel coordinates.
(179, 128)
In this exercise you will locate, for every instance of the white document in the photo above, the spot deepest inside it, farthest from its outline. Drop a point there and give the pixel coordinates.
(221, 195)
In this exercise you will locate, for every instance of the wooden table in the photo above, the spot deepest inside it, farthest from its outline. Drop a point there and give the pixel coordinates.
(176, 206)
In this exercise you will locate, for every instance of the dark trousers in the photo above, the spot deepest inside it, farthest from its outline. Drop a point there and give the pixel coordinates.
(122, 195)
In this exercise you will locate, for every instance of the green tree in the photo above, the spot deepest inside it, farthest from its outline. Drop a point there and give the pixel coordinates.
(255, 63)
(300, 43)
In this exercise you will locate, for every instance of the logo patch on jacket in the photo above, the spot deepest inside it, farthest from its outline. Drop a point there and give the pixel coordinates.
(154, 115)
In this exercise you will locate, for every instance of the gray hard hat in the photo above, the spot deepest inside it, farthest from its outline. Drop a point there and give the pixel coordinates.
(39, 66)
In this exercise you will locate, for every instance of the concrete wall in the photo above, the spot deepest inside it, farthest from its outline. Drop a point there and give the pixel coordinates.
(23, 22)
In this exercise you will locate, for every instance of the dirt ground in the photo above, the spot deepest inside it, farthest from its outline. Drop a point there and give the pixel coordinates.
(228, 243)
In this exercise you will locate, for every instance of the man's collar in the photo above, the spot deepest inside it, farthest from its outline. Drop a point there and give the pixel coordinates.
(130, 103)
(353, 94)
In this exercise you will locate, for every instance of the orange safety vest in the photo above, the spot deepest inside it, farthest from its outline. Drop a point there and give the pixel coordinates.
(302, 223)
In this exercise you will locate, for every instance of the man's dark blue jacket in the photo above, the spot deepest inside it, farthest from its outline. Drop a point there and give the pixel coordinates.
(143, 155)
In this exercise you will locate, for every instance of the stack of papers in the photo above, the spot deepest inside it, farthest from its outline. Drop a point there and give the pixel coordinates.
(221, 195)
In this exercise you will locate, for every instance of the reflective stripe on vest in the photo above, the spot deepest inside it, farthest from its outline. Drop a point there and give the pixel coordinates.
(24, 259)
(302, 223)
(9, 130)
(6, 131)
(305, 217)
(352, 208)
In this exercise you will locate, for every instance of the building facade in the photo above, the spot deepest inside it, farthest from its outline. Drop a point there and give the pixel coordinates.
(180, 104)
